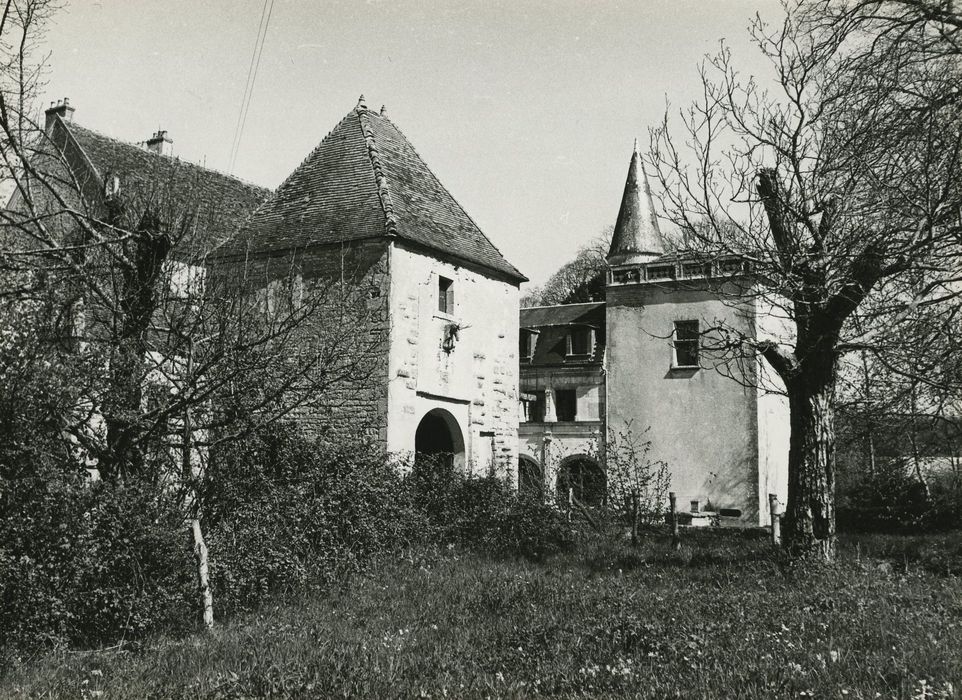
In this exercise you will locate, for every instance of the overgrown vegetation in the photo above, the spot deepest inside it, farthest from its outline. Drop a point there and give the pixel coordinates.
(716, 619)
(89, 564)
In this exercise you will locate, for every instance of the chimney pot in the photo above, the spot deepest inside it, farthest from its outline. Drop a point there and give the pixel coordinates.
(160, 143)
(60, 109)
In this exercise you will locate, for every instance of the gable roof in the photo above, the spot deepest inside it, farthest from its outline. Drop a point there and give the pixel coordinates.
(365, 180)
(222, 201)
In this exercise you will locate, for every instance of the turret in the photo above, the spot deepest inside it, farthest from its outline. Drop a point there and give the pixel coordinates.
(636, 238)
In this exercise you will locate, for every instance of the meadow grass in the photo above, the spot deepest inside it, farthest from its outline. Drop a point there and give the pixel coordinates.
(720, 618)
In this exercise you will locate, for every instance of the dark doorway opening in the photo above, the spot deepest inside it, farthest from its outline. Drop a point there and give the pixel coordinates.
(584, 478)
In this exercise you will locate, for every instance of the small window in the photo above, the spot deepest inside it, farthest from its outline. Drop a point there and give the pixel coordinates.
(534, 407)
(686, 343)
(526, 343)
(566, 405)
(445, 296)
(579, 342)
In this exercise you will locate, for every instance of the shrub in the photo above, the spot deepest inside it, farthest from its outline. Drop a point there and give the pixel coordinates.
(282, 512)
(484, 513)
(894, 500)
(86, 564)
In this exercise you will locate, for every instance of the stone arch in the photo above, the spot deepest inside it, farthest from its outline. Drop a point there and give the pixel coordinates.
(439, 437)
(530, 478)
(585, 477)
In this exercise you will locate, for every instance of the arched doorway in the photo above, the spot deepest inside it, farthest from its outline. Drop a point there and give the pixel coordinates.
(530, 478)
(438, 439)
(585, 478)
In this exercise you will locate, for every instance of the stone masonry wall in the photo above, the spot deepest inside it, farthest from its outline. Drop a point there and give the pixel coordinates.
(346, 288)
(474, 378)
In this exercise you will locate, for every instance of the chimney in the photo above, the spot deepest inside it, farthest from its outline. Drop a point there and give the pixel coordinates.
(160, 143)
(60, 109)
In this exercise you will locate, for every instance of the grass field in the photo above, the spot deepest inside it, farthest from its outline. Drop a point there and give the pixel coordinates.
(720, 618)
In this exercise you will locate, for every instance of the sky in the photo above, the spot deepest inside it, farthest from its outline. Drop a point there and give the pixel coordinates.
(525, 110)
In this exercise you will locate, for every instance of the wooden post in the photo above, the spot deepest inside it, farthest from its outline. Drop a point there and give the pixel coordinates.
(203, 574)
(776, 519)
(673, 519)
(571, 501)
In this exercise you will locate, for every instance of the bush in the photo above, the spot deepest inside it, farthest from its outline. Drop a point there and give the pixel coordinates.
(282, 512)
(86, 564)
(894, 500)
(484, 513)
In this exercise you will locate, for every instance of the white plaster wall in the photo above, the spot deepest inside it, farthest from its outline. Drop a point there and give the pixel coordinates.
(702, 423)
(477, 382)
(772, 322)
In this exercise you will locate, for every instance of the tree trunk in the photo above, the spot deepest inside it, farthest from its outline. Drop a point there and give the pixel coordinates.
(808, 530)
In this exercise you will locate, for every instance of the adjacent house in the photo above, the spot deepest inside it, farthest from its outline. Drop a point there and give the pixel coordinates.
(431, 302)
(667, 373)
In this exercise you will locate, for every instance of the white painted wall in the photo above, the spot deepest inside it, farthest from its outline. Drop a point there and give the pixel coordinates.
(702, 423)
(477, 381)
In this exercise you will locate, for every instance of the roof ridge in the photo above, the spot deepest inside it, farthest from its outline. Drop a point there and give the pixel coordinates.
(380, 179)
(454, 199)
(149, 153)
(555, 306)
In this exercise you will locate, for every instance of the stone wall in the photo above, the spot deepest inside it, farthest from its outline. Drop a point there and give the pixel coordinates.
(344, 292)
(464, 363)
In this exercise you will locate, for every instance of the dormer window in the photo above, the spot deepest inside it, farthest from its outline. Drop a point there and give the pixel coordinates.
(445, 295)
(580, 342)
(526, 342)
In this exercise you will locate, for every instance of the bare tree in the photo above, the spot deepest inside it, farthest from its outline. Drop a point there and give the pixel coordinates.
(577, 281)
(183, 344)
(838, 182)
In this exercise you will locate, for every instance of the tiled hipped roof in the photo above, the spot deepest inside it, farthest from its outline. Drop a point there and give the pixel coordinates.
(221, 201)
(366, 180)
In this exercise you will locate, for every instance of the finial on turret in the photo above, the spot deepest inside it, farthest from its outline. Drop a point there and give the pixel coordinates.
(636, 145)
(383, 110)
(361, 104)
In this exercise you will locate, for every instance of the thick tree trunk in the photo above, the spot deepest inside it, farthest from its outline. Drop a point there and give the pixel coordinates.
(809, 522)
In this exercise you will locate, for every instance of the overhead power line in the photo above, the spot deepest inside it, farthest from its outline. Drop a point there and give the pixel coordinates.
(265, 20)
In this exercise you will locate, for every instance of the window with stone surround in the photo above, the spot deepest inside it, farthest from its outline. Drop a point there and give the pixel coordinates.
(685, 344)
(534, 405)
(566, 405)
(445, 295)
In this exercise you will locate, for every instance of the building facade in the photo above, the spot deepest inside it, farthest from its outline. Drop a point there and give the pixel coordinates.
(442, 372)
(671, 374)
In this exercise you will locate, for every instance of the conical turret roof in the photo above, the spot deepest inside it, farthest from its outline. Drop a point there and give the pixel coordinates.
(636, 237)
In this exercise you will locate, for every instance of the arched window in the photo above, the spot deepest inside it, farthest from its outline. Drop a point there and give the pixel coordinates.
(584, 479)
(530, 478)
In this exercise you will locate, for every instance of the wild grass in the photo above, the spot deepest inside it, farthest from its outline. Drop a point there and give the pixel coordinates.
(719, 618)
